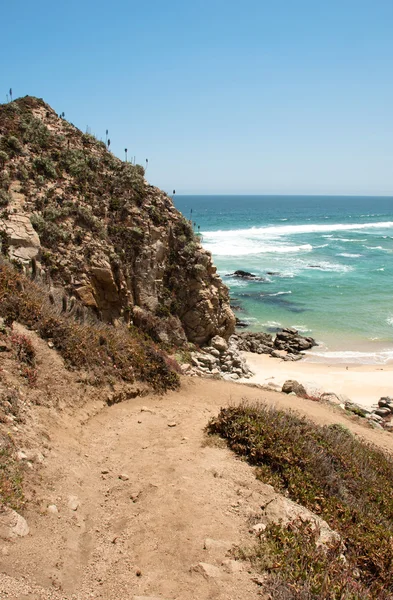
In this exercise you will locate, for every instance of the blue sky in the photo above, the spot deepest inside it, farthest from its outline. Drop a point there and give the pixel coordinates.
(220, 96)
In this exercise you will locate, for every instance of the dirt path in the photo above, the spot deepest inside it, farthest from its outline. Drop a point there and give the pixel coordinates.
(145, 533)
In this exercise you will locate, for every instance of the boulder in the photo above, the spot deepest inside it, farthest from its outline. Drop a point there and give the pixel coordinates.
(356, 409)
(294, 386)
(208, 571)
(283, 510)
(22, 237)
(385, 401)
(12, 524)
(383, 412)
(218, 343)
(331, 397)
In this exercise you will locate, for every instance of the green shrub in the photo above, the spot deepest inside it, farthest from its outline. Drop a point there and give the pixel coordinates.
(49, 233)
(35, 132)
(5, 198)
(3, 158)
(45, 167)
(337, 476)
(22, 173)
(11, 145)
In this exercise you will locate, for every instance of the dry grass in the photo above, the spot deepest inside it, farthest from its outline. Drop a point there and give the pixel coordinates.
(345, 481)
(11, 477)
(109, 353)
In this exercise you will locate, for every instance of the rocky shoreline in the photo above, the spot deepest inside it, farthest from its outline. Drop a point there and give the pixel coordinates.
(223, 359)
(379, 418)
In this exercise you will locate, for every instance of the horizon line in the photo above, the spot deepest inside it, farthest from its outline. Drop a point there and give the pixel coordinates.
(288, 195)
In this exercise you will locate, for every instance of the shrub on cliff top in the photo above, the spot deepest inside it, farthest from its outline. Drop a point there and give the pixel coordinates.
(335, 475)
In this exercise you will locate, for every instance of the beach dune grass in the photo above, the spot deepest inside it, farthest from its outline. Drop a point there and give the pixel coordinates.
(328, 470)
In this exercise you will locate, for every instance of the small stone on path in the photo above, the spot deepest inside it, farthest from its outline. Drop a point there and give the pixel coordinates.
(73, 502)
(208, 571)
(124, 477)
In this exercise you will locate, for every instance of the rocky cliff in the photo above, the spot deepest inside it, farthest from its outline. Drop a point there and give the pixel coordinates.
(91, 225)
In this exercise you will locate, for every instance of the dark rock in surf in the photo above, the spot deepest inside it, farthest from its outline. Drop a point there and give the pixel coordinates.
(245, 275)
(241, 324)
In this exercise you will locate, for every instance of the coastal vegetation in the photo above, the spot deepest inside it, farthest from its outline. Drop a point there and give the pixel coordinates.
(103, 233)
(343, 480)
(108, 353)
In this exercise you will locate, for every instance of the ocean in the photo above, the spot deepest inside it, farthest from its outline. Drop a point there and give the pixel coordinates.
(326, 265)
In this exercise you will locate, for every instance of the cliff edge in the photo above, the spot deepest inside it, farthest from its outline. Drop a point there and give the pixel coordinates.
(95, 228)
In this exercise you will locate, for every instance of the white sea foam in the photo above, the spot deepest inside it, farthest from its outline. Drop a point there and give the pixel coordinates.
(274, 230)
(347, 240)
(389, 320)
(302, 328)
(347, 255)
(374, 248)
(262, 240)
(327, 266)
(271, 324)
(240, 246)
(278, 293)
(348, 356)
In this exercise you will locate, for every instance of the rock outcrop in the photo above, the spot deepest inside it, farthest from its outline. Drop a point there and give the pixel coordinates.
(288, 344)
(219, 359)
(99, 231)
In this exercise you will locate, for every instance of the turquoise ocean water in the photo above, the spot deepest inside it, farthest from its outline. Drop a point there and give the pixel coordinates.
(327, 264)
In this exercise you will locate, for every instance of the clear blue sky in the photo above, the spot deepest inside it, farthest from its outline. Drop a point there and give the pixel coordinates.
(287, 96)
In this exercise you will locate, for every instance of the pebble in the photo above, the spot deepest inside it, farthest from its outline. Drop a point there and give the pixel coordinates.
(124, 477)
(73, 502)
(258, 528)
(52, 509)
(173, 424)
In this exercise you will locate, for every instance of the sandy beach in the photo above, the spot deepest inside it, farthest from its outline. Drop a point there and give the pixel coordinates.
(363, 384)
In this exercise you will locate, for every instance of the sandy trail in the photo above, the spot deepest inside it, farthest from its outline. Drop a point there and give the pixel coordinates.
(142, 536)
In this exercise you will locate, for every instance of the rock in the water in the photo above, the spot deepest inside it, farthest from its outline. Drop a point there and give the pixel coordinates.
(245, 275)
(294, 386)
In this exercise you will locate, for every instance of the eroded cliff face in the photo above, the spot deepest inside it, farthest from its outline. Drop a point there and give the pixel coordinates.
(96, 228)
